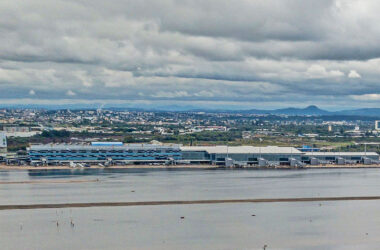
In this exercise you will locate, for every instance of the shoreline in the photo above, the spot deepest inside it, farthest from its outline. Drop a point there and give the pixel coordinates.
(28, 167)
(191, 166)
(48, 182)
(186, 202)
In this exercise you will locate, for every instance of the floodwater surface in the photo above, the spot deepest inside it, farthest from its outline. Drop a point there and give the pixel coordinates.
(301, 225)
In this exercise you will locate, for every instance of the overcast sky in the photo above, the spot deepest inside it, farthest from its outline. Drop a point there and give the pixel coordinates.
(210, 53)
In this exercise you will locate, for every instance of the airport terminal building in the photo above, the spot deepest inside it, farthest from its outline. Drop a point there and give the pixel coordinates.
(119, 153)
(316, 158)
(116, 152)
(102, 152)
(242, 155)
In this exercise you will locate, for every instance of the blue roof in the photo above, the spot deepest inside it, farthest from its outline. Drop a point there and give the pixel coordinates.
(106, 143)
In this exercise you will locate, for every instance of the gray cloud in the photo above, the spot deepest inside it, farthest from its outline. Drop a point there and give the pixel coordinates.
(251, 53)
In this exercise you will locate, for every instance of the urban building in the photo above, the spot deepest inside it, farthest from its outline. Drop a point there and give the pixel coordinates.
(13, 129)
(103, 152)
(306, 148)
(119, 153)
(315, 158)
(241, 154)
(377, 125)
(3, 146)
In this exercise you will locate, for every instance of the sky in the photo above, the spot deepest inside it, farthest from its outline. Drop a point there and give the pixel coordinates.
(198, 53)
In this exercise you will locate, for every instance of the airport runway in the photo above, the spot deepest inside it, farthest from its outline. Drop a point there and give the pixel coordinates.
(47, 181)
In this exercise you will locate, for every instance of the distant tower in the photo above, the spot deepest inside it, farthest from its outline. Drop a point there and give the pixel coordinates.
(329, 128)
(3, 142)
(377, 125)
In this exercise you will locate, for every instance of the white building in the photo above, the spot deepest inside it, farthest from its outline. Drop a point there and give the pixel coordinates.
(377, 125)
(3, 142)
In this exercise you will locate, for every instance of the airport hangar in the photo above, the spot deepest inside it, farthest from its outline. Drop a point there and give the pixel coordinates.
(119, 153)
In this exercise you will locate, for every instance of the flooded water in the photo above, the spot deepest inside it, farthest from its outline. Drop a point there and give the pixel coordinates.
(302, 225)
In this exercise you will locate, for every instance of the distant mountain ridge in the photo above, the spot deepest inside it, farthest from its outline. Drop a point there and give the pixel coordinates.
(313, 110)
(310, 110)
(361, 112)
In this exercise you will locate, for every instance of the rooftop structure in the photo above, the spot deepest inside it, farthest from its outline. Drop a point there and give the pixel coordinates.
(13, 129)
(106, 144)
(341, 154)
(242, 149)
(137, 146)
(306, 148)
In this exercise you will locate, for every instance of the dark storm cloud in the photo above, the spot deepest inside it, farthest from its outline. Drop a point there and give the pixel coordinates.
(196, 51)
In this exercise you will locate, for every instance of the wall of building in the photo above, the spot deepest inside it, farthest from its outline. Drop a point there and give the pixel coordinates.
(239, 157)
(102, 154)
(253, 158)
(195, 155)
(355, 156)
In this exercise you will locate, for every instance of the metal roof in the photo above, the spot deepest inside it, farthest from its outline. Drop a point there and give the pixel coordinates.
(94, 147)
(341, 154)
(102, 143)
(242, 149)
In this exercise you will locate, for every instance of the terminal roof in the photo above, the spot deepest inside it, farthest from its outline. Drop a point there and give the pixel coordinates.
(242, 149)
(341, 153)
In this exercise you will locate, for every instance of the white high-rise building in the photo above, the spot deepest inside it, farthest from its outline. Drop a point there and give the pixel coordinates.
(3, 142)
(377, 125)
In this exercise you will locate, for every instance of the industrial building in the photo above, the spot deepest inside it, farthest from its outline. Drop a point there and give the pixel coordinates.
(119, 153)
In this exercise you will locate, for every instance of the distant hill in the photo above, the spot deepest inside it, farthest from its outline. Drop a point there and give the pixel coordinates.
(362, 112)
(310, 110)
(315, 111)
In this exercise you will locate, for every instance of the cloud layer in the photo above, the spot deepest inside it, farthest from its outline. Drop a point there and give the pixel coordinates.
(249, 53)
